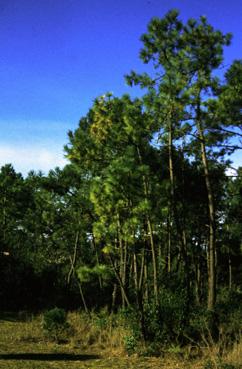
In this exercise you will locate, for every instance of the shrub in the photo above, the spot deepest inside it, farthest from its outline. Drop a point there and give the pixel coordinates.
(130, 319)
(166, 322)
(130, 344)
(229, 310)
(55, 325)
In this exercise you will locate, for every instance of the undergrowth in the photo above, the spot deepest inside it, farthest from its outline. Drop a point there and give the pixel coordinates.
(112, 335)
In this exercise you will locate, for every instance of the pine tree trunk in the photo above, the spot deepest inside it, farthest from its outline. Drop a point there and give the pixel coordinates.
(152, 244)
(230, 273)
(117, 275)
(83, 298)
(136, 283)
(97, 258)
(114, 295)
(197, 282)
(173, 211)
(123, 259)
(73, 259)
(150, 231)
(121, 271)
(168, 263)
(212, 239)
(146, 289)
(141, 276)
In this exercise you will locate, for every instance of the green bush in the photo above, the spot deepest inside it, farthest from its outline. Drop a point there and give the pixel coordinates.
(229, 310)
(130, 344)
(129, 318)
(166, 322)
(223, 325)
(203, 324)
(55, 325)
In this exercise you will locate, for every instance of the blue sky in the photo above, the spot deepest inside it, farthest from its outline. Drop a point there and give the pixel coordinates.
(58, 55)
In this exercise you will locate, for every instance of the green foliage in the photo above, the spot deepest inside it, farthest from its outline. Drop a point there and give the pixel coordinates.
(203, 325)
(229, 311)
(129, 317)
(55, 324)
(166, 322)
(130, 344)
(87, 274)
(222, 325)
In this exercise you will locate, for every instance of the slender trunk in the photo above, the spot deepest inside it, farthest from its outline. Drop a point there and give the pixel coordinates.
(180, 230)
(146, 290)
(168, 263)
(125, 263)
(230, 273)
(114, 295)
(173, 212)
(136, 284)
(97, 258)
(150, 231)
(197, 281)
(123, 259)
(73, 258)
(83, 298)
(211, 212)
(138, 294)
(138, 277)
(152, 244)
(141, 276)
(121, 271)
(117, 275)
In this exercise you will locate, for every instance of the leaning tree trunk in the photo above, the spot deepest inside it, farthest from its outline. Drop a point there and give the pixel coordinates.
(73, 259)
(117, 275)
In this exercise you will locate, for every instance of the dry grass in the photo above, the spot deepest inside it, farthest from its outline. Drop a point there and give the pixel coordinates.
(234, 356)
(99, 333)
(219, 355)
(95, 343)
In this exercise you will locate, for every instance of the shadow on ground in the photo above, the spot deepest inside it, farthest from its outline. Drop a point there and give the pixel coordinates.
(47, 357)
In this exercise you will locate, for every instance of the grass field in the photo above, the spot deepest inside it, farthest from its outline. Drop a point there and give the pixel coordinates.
(23, 346)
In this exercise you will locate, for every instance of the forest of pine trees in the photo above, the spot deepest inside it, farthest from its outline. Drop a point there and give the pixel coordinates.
(147, 214)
